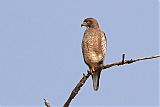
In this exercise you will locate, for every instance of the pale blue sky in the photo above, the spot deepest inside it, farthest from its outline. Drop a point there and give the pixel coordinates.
(40, 51)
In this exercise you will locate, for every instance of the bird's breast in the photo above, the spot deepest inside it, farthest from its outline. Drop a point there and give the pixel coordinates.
(90, 47)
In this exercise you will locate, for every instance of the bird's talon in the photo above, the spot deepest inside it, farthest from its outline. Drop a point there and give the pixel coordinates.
(91, 71)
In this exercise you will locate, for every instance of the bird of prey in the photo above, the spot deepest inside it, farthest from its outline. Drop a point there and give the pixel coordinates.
(93, 49)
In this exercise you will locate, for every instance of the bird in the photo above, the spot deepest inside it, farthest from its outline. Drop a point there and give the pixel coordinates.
(93, 46)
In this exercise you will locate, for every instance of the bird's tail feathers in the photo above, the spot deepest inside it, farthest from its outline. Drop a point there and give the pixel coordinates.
(95, 78)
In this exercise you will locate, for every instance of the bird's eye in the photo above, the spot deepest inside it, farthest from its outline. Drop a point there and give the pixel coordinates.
(88, 22)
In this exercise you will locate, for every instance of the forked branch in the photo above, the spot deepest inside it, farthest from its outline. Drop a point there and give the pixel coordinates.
(128, 61)
(85, 77)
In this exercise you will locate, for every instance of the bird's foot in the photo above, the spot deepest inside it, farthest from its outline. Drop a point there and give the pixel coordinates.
(91, 70)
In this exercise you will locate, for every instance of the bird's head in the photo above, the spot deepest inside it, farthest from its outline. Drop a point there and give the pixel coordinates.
(90, 23)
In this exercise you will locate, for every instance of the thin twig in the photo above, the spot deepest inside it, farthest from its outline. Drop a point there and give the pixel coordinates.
(128, 61)
(46, 102)
(85, 77)
(123, 56)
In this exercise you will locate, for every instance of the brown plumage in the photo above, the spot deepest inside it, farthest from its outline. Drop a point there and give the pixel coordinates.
(93, 49)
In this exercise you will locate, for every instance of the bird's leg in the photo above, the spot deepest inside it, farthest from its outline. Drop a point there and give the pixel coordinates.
(91, 70)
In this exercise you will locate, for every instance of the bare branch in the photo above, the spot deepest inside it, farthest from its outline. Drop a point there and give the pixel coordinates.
(46, 102)
(128, 61)
(76, 89)
(85, 77)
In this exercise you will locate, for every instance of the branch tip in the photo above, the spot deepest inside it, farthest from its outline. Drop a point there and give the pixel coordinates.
(123, 56)
(84, 74)
(46, 102)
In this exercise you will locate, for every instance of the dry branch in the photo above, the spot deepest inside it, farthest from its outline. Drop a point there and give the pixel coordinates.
(46, 102)
(85, 77)
(128, 61)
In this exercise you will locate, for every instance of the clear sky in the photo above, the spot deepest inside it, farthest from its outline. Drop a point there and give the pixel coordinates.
(40, 52)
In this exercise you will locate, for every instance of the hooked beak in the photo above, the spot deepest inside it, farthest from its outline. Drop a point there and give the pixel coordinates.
(84, 24)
